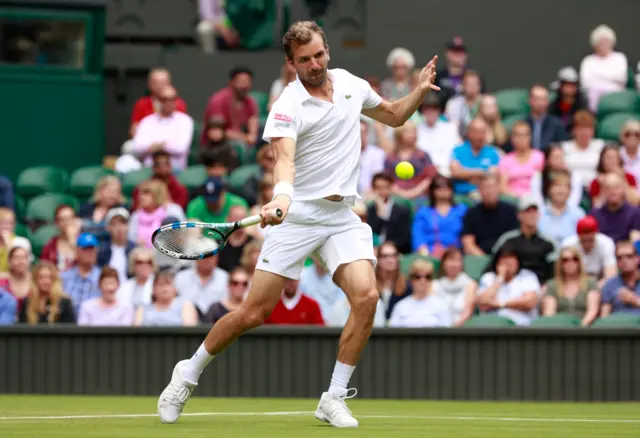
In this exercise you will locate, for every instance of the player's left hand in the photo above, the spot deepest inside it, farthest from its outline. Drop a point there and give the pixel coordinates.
(268, 211)
(427, 76)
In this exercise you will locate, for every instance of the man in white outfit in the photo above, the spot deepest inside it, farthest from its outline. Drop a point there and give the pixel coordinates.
(314, 129)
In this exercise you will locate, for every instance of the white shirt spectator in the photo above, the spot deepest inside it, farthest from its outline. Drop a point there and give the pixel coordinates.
(119, 261)
(431, 311)
(601, 75)
(341, 310)
(453, 293)
(525, 281)
(190, 288)
(175, 131)
(603, 254)
(438, 141)
(371, 162)
(334, 139)
(583, 162)
(575, 198)
(321, 288)
(135, 294)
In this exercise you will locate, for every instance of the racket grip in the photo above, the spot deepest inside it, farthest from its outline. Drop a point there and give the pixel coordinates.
(278, 212)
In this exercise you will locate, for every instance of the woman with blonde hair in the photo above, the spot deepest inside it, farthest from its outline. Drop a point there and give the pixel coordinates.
(401, 62)
(107, 194)
(47, 303)
(17, 280)
(249, 258)
(137, 290)
(391, 284)
(8, 238)
(571, 290)
(154, 206)
(488, 110)
(630, 147)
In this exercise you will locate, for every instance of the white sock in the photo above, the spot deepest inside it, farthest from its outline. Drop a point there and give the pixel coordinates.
(194, 367)
(340, 378)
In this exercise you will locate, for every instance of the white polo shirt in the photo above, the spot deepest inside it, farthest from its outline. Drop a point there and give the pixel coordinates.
(603, 254)
(327, 135)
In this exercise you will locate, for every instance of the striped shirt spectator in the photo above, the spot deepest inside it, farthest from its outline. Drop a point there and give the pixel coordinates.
(80, 283)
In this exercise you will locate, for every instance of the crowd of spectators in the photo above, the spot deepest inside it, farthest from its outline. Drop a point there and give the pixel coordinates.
(551, 208)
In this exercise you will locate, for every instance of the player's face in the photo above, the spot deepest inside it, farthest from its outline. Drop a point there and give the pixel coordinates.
(310, 61)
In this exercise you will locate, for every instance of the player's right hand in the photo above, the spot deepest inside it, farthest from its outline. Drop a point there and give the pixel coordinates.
(268, 211)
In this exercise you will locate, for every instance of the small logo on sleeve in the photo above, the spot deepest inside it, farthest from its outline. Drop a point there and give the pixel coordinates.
(283, 118)
(348, 96)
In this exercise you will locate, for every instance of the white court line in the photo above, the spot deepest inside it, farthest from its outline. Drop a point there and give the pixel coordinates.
(293, 413)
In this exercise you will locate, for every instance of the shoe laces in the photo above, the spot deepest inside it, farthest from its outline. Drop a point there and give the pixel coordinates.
(340, 405)
(178, 394)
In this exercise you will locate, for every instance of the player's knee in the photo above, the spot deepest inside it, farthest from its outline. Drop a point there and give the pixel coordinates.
(367, 302)
(253, 317)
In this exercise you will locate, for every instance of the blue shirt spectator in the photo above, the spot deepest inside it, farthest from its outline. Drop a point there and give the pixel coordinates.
(611, 295)
(8, 308)
(315, 282)
(622, 292)
(81, 281)
(559, 224)
(472, 158)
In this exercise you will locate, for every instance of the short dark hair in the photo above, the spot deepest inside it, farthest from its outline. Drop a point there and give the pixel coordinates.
(299, 34)
(108, 272)
(383, 176)
(437, 182)
(218, 156)
(160, 154)
(238, 70)
(61, 207)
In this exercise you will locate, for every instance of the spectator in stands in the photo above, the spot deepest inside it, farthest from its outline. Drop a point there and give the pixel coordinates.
(115, 249)
(538, 252)
(545, 128)
(158, 80)
(162, 171)
(486, 221)
(215, 30)
(230, 257)
(265, 194)
(611, 162)
(360, 209)
(7, 196)
(389, 220)
(81, 282)
(605, 70)
(47, 303)
(250, 254)
(341, 310)
(617, 219)
(234, 105)
(460, 108)
(569, 98)
(166, 307)
(473, 158)
(295, 308)
(406, 150)
(266, 160)
(214, 205)
(436, 136)
(61, 249)
(167, 130)
(437, 226)
(317, 284)
(558, 219)
(217, 141)
(596, 250)
(8, 238)
(508, 289)
(217, 163)
(8, 308)
(400, 61)
(203, 284)
(630, 141)
(455, 287)
(154, 206)
(107, 195)
(622, 292)
(137, 290)
(238, 289)
(17, 280)
(583, 152)
(287, 75)
(108, 309)
(422, 308)
(572, 290)
(488, 111)
(555, 164)
(518, 167)
(449, 77)
(391, 284)
(372, 159)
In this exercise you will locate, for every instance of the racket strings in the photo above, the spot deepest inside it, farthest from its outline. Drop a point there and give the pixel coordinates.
(190, 242)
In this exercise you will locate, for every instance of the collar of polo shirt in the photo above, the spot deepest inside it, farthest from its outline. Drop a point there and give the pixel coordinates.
(304, 94)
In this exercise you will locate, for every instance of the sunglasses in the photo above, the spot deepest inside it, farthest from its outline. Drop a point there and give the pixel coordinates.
(238, 283)
(428, 276)
(625, 256)
(388, 256)
(569, 259)
(143, 262)
(161, 163)
(628, 134)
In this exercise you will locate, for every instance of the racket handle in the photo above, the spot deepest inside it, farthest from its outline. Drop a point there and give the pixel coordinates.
(278, 212)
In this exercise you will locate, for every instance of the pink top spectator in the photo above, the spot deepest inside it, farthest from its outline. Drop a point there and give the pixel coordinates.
(93, 313)
(518, 174)
(221, 105)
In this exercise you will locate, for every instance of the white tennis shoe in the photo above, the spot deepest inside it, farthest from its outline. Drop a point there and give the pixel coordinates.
(333, 409)
(175, 395)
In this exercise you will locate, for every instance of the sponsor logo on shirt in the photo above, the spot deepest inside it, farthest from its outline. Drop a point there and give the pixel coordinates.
(283, 118)
(348, 96)
(282, 125)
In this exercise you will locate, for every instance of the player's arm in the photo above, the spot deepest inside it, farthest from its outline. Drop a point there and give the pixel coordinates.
(284, 172)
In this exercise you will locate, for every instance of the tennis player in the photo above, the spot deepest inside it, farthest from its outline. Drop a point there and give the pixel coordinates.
(314, 129)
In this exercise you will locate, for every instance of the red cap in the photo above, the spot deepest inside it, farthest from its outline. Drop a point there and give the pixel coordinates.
(587, 224)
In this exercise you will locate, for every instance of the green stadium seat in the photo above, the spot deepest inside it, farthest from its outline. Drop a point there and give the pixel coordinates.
(511, 120)
(620, 320)
(241, 175)
(132, 179)
(475, 265)
(42, 179)
(243, 155)
(609, 127)
(462, 199)
(20, 207)
(489, 320)
(193, 176)
(557, 321)
(510, 199)
(41, 236)
(84, 180)
(194, 150)
(407, 259)
(262, 101)
(620, 102)
(42, 208)
(513, 101)
(23, 231)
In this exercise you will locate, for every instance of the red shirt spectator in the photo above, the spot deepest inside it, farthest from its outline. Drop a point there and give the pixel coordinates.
(594, 188)
(295, 308)
(162, 171)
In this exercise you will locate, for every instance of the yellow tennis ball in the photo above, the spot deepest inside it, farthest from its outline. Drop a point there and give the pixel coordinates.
(404, 170)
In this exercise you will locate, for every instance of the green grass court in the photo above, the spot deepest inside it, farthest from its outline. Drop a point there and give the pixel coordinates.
(134, 417)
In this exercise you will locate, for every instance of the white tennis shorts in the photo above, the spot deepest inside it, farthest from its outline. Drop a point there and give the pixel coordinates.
(325, 228)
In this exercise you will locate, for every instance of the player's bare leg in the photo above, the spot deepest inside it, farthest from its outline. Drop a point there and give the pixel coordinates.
(266, 288)
(357, 280)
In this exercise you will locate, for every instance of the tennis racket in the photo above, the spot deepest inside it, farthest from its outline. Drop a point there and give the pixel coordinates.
(198, 240)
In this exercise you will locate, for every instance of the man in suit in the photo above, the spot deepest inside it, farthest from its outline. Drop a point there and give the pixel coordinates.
(545, 128)
(388, 219)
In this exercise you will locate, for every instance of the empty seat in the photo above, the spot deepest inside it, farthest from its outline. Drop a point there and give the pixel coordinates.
(513, 101)
(609, 127)
(84, 180)
(511, 120)
(41, 236)
(42, 179)
(489, 320)
(557, 321)
(620, 102)
(132, 179)
(42, 208)
(241, 175)
(475, 265)
(193, 176)
(262, 101)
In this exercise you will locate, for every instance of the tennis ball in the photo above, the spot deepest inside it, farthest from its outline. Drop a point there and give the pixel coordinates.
(404, 170)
